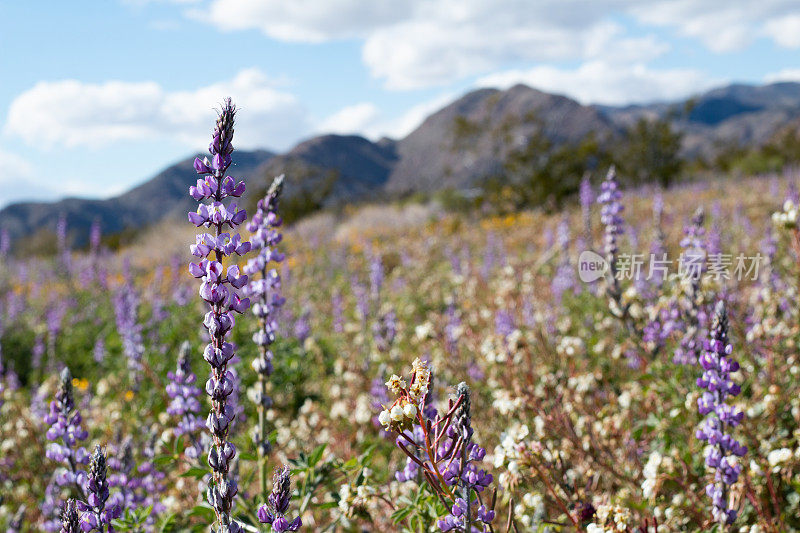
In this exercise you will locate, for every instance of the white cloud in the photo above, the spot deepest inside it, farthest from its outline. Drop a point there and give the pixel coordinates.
(73, 113)
(366, 119)
(353, 119)
(787, 74)
(721, 26)
(401, 126)
(18, 180)
(600, 82)
(784, 30)
(421, 43)
(304, 20)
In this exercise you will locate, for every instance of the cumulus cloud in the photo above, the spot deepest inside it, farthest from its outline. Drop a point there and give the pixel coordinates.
(600, 82)
(419, 43)
(304, 20)
(784, 30)
(787, 74)
(366, 119)
(73, 113)
(721, 26)
(18, 180)
(354, 119)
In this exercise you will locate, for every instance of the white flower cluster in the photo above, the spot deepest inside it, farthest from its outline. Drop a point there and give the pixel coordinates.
(404, 410)
(650, 472)
(610, 519)
(787, 218)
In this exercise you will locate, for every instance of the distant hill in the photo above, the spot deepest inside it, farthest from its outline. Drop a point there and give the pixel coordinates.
(457, 147)
(468, 140)
(165, 195)
(745, 115)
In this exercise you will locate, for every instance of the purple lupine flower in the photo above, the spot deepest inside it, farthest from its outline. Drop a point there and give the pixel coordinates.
(693, 266)
(264, 291)
(611, 216)
(99, 351)
(462, 472)
(452, 330)
(302, 327)
(586, 197)
(274, 511)
(65, 433)
(151, 479)
(218, 290)
(362, 301)
(504, 324)
(384, 330)
(337, 310)
(122, 478)
(184, 403)
(70, 520)
(461, 515)
(96, 515)
(126, 308)
(718, 365)
(564, 279)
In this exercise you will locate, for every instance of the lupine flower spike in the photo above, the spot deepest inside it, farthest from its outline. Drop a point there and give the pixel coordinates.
(265, 293)
(65, 434)
(96, 516)
(274, 511)
(70, 521)
(611, 217)
(693, 264)
(218, 289)
(723, 450)
(184, 403)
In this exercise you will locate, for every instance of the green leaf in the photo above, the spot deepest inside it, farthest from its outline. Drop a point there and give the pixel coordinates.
(195, 472)
(316, 455)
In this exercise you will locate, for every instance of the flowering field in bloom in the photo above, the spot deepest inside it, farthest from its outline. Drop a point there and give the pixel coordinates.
(408, 369)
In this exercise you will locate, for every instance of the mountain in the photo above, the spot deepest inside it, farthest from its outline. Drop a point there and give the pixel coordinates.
(468, 140)
(332, 169)
(165, 195)
(739, 114)
(460, 146)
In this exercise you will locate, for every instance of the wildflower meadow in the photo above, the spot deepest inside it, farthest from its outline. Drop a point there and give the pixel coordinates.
(627, 363)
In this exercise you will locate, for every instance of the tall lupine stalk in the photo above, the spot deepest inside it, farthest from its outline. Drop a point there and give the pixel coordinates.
(611, 216)
(274, 511)
(586, 197)
(264, 290)
(693, 258)
(126, 310)
(96, 516)
(219, 292)
(718, 365)
(184, 403)
(463, 474)
(65, 434)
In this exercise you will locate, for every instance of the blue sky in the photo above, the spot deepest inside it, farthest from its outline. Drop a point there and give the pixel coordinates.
(98, 96)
